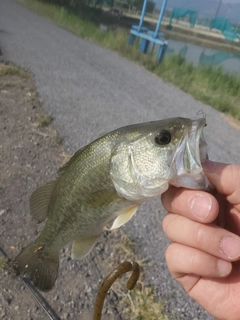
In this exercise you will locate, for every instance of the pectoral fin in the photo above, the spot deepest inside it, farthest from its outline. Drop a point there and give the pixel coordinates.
(124, 217)
(82, 247)
(39, 201)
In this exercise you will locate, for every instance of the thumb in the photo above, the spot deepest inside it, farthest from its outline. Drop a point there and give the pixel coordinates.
(225, 178)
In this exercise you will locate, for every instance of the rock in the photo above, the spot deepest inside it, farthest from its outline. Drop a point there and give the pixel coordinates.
(2, 212)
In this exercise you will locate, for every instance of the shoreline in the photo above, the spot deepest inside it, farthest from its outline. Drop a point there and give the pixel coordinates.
(199, 35)
(198, 40)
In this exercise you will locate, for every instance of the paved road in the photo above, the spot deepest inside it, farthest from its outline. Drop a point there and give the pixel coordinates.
(89, 90)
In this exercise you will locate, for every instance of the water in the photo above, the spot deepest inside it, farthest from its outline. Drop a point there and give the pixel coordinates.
(230, 62)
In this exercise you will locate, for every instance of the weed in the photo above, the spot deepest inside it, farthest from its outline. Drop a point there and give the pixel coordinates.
(144, 305)
(44, 121)
(3, 264)
(9, 85)
(58, 138)
(140, 303)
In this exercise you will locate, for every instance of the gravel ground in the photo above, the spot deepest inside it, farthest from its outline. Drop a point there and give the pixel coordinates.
(88, 91)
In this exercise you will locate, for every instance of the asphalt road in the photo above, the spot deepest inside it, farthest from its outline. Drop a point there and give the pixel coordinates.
(89, 91)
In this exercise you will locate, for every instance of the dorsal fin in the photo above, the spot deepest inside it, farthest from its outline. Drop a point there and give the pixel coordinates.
(39, 201)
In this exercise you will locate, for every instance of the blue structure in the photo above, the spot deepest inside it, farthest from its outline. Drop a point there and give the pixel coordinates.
(148, 36)
(181, 13)
(225, 27)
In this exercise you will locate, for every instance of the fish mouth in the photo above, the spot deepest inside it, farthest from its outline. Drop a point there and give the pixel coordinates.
(191, 153)
(196, 146)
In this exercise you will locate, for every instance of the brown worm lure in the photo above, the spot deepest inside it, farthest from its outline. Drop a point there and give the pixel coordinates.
(121, 269)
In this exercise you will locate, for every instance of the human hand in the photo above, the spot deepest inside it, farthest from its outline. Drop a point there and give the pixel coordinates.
(204, 228)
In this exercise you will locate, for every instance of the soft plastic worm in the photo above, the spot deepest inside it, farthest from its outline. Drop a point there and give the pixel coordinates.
(121, 269)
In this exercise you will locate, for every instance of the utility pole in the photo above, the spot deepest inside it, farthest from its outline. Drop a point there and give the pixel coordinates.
(219, 5)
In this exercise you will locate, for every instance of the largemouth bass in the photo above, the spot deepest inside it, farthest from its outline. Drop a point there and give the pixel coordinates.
(105, 182)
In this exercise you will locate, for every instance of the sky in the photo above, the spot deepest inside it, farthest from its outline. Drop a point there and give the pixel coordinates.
(231, 1)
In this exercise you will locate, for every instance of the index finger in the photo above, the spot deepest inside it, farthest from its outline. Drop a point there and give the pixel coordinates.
(193, 204)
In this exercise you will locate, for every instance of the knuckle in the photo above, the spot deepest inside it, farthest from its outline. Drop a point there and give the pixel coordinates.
(167, 222)
(194, 259)
(173, 255)
(199, 234)
(203, 236)
(169, 252)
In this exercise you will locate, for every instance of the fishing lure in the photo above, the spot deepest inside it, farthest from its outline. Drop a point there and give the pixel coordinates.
(121, 269)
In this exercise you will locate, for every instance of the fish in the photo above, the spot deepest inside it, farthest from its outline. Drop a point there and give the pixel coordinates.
(104, 183)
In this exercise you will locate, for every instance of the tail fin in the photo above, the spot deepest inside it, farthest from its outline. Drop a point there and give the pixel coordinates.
(32, 262)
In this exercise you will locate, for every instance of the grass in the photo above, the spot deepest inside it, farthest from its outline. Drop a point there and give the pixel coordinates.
(9, 85)
(145, 306)
(3, 264)
(207, 84)
(12, 70)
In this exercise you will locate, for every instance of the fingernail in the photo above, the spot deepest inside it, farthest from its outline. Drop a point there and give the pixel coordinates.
(230, 246)
(209, 166)
(201, 206)
(223, 267)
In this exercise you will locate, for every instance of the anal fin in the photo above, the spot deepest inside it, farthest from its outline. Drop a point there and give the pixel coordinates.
(81, 247)
(124, 217)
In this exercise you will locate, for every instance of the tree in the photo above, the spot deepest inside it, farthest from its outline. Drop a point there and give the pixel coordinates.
(130, 3)
(150, 5)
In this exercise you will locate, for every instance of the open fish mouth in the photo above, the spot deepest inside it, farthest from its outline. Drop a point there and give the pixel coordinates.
(197, 144)
(186, 167)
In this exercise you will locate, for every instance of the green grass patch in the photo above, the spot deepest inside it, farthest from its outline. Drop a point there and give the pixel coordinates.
(144, 305)
(207, 84)
(3, 264)
(12, 70)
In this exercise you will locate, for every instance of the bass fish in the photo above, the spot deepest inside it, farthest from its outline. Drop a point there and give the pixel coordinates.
(105, 182)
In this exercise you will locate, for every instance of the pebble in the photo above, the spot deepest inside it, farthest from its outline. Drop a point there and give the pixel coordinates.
(65, 315)
(2, 212)
(56, 298)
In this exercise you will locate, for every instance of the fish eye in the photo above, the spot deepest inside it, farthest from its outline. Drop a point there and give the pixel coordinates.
(163, 137)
